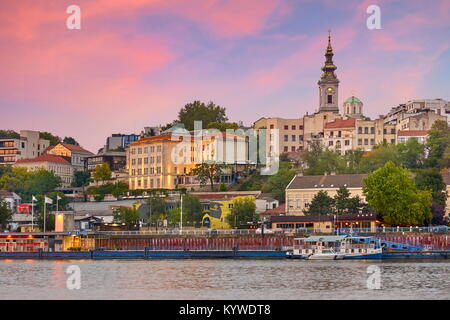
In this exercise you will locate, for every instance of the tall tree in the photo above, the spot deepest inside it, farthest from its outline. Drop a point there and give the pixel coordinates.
(9, 134)
(126, 215)
(5, 213)
(322, 204)
(199, 111)
(81, 179)
(156, 208)
(391, 192)
(70, 140)
(411, 153)
(243, 211)
(277, 183)
(54, 140)
(192, 208)
(208, 172)
(438, 144)
(431, 179)
(102, 172)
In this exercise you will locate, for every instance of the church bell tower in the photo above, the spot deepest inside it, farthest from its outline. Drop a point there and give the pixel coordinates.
(329, 83)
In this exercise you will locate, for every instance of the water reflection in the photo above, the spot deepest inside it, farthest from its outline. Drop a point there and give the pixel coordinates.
(224, 279)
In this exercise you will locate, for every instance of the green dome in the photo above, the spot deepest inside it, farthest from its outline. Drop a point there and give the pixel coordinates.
(353, 99)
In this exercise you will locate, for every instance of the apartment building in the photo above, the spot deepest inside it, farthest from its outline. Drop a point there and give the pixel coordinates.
(420, 135)
(29, 145)
(302, 189)
(76, 154)
(165, 161)
(60, 166)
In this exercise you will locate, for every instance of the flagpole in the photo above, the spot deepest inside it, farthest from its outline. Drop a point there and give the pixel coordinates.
(45, 207)
(32, 213)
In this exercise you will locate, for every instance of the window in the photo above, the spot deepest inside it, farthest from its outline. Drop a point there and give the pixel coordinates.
(347, 142)
(139, 161)
(300, 138)
(392, 131)
(366, 142)
(359, 142)
(293, 137)
(366, 130)
(330, 143)
(293, 149)
(293, 127)
(359, 129)
(300, 127)
(392, 141)
(372, 141)
(272, 126)
(330, 98)
(286, 137)
(384, 131)
(286, 149)
(372, 130)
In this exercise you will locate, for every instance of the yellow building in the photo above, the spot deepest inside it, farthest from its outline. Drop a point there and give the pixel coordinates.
(217, 211)
(165, 161)
(76, 153)
(302, 189)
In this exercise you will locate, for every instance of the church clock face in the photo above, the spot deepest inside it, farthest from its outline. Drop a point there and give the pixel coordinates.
(330, 90)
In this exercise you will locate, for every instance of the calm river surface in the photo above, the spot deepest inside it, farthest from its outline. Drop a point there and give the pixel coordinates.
(224, 279)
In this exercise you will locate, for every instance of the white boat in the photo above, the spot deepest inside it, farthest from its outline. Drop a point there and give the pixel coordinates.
(336, 247)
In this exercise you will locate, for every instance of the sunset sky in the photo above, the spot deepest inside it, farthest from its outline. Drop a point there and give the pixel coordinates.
(135, 63)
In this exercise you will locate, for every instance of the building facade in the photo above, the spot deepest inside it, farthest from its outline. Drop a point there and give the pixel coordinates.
(29, 145)
(60, 166)
(76, 154)
(302, 189)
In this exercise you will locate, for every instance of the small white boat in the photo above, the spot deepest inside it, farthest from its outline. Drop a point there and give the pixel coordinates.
(336, 248)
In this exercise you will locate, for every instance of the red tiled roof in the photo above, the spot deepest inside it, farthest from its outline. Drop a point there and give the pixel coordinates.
(412, 133)
(341, 123)
(71, 147)
(45, 158)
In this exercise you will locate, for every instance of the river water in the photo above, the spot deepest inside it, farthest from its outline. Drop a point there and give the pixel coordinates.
(224, 279)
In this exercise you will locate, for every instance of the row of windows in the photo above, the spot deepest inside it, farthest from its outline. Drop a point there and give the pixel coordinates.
(10, 151)
(146, 160)
(338, 143)
(365, 130)
(146, 149)
(293, 138)
(154, 183)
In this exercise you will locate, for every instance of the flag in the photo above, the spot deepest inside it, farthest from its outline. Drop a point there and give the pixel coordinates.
(33, 198)
(48, 200)
(58, 198)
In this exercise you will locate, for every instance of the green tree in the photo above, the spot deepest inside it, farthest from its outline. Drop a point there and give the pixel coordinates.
(156, 208)
(192, 209)
(223, 126)
(102, 172)
(391, 192)
(9, 134)
(344, 204)
(431, 179)
(208, 172)
(438, 144)
(379, 156)
(126, 215)
(70, 140)
(321, 161)
(54, 140)
(277, 183)
(5, 213)
(81, 179)
(243, 211)
(411, 154)
(42, 182)
(199, 111)
(322, 204)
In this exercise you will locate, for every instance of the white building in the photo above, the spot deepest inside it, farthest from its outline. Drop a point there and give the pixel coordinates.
(29, 145)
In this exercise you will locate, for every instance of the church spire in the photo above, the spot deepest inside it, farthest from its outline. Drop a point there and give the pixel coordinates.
(329, 83)
(329, 67)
